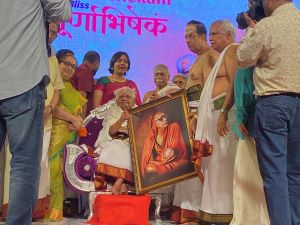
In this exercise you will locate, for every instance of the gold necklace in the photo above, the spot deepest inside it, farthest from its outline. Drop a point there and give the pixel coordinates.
(117, 80)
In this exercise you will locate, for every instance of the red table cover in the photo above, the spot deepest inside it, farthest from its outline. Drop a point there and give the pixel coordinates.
(121, 210)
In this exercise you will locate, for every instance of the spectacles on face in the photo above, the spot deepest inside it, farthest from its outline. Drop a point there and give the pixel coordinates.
(162, 118)
(68, 64)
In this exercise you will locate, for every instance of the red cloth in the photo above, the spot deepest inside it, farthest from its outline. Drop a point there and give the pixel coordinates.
(83, 80)
(120, 210)
(172, 138)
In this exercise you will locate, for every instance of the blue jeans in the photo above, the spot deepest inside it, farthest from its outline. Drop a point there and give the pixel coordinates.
(22, 120)
(277, 135)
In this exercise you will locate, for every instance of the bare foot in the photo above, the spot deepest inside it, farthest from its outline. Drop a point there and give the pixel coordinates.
(124, 189)
(116, 188)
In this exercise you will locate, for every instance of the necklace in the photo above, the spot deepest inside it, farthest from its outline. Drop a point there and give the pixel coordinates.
(120, 80)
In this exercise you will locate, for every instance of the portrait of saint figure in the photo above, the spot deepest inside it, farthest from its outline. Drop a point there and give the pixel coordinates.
(160, 144)
(164, 149)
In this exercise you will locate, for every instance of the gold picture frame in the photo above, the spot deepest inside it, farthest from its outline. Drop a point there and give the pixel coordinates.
(160, 144)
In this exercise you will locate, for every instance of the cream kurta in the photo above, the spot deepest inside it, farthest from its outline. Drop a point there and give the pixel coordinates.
(272, 46)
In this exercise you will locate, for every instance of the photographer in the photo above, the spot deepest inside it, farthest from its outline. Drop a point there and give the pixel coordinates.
(24, 74)
(272, 46)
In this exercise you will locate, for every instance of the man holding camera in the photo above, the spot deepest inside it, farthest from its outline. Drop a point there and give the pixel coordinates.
(272, 46)
(24, 74)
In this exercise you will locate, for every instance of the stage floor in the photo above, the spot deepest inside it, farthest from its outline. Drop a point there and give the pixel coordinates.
(81, 222)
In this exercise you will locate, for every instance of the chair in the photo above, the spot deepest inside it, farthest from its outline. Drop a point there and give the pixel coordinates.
(79, 167)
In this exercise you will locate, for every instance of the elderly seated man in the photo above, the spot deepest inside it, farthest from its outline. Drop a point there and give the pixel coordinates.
(114, 161)
(161, 78)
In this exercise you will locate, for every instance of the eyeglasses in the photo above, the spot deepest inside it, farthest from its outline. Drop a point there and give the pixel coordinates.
(66, 63)
(162, 118)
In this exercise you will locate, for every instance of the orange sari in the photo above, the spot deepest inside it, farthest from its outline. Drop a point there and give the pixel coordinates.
(172, 138)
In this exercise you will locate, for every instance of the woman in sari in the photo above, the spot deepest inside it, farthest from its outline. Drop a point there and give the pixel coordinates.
(105, 87)
(248, 194)
(66, 120)
(164, 149)
(114, 162)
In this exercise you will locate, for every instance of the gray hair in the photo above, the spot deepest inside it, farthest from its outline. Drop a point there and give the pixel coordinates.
(226, 26)
(180, 75)
(161, 67)
(127, 90)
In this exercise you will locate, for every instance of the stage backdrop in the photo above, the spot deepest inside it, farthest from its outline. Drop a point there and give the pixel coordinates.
(150, 31)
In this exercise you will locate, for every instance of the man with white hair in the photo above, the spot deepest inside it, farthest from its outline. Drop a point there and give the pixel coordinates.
(213, 132)
(114, 162)
(161, 77)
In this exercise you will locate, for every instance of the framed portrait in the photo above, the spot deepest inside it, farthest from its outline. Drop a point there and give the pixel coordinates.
(160, 144)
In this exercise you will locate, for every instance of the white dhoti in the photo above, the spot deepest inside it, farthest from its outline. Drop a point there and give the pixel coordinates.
(217, 199)
(248, 194)
(115, 153)
(187, 201)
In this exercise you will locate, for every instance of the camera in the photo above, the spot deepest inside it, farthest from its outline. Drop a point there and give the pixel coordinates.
(255, 12)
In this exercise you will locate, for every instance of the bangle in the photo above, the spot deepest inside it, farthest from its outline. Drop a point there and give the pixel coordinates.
(51, 108)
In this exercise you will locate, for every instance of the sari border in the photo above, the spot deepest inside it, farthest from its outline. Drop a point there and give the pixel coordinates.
(215, 218)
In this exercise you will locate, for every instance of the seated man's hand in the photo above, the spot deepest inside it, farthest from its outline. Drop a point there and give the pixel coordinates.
(171, 91)
(124, 116)
(123, 130)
